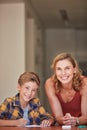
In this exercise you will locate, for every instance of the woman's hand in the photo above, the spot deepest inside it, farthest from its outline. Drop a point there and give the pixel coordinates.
(69, 120)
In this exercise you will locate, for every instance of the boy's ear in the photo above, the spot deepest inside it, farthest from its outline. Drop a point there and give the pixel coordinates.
(18, 87)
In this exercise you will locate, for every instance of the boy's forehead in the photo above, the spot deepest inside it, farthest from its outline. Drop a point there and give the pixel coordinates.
(31, 84)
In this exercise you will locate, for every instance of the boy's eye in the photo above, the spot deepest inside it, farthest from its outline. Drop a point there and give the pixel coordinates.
(27, 88)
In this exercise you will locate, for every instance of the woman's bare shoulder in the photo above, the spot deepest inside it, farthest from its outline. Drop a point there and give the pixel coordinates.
(84, 80)
(49, 82)
(49, 85)
(84, 84)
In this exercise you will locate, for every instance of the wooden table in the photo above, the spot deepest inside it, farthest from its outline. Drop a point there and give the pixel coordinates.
(40, 128)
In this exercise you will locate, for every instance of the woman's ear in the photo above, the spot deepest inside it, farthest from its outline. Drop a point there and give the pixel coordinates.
(75, 70)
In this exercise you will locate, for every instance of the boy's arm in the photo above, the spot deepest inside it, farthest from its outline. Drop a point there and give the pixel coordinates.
(45, 115)
(18, 122)
(4, 109)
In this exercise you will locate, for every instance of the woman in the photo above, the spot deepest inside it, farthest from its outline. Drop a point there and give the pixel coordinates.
(67, 91)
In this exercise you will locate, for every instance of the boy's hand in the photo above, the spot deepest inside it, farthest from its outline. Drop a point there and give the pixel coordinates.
(21, 122)
(46, 123)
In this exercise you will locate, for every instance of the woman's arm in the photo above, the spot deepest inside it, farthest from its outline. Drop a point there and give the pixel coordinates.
(83, 118)
(53, 101)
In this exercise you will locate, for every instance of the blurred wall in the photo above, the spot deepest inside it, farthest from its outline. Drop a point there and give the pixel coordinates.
(12, 47)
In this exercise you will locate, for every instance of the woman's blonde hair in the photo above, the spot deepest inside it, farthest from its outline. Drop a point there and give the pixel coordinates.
(77, 75)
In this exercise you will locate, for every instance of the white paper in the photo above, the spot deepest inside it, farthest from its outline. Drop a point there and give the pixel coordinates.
(32, 126)
(66, 126)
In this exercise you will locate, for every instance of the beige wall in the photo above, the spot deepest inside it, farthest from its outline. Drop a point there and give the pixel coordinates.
(12, 47)
(30, 44)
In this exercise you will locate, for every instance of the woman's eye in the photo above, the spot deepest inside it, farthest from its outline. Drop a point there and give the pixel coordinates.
(34, 90)
(67, 68)
(58, 69)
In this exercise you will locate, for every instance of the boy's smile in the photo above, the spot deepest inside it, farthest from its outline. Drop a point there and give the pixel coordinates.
(27, 92)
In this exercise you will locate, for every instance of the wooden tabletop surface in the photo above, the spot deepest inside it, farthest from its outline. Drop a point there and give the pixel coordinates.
(40, 128)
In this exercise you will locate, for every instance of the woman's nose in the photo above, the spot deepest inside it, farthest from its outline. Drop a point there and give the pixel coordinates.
(63, 72)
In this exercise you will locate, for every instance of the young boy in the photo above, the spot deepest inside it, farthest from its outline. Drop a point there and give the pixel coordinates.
(25, 108)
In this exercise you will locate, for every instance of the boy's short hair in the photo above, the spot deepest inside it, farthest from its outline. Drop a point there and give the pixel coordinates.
(28, 76)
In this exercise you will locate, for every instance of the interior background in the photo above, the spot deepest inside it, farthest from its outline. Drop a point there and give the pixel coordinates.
(27, 43)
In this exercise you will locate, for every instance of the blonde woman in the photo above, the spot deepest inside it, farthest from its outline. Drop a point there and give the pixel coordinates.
(66, 90)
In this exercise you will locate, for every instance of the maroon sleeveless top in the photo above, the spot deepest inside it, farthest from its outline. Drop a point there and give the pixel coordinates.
(73, 107)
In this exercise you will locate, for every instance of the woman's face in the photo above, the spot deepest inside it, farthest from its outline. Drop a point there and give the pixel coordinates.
(64, 71)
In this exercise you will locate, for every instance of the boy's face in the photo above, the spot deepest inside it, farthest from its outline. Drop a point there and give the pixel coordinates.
(27, 91)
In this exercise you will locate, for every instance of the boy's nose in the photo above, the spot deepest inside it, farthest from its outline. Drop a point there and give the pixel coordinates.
(29, 91)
